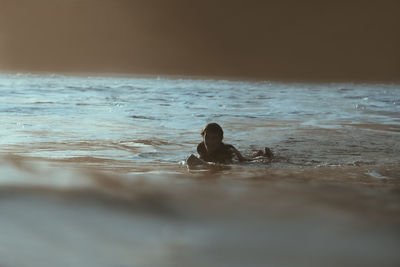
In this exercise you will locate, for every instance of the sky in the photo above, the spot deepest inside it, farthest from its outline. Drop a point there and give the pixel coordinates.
(275, 40)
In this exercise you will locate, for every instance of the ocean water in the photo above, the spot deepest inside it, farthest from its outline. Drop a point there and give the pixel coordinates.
(109, 152)
(132, 120)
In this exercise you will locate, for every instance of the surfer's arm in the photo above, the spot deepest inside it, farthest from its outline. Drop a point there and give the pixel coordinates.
(238, 154)
(201, 149)
(192, 160)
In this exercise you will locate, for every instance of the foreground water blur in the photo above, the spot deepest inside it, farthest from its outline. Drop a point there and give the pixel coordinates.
(92, 173)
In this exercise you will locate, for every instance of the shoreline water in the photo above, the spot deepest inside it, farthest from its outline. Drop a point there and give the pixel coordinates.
(163, 219)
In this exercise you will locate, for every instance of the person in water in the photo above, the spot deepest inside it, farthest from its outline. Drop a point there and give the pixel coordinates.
(212, 149)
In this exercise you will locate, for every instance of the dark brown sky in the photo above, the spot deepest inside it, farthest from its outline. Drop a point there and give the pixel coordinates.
(296, 40)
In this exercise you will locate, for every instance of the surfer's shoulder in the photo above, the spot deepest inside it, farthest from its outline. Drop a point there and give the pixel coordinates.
(201, 148)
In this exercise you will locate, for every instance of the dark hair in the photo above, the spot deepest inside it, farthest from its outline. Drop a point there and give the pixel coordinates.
(213, 127)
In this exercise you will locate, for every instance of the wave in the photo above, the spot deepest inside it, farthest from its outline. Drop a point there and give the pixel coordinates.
(59, 213)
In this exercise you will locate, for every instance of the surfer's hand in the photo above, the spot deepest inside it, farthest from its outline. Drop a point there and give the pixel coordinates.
(192, 160)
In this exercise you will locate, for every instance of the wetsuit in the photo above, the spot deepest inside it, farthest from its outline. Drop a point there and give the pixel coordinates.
(223, 154)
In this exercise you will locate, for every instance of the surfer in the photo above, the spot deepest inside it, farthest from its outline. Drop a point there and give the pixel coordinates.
(212, 149)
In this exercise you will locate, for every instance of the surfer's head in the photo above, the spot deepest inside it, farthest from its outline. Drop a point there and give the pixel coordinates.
(212, 136)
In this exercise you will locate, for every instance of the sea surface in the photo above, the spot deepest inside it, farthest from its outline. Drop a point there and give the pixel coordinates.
(93, 173)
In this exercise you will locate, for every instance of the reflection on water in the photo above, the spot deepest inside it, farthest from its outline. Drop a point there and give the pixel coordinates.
(91, 173)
